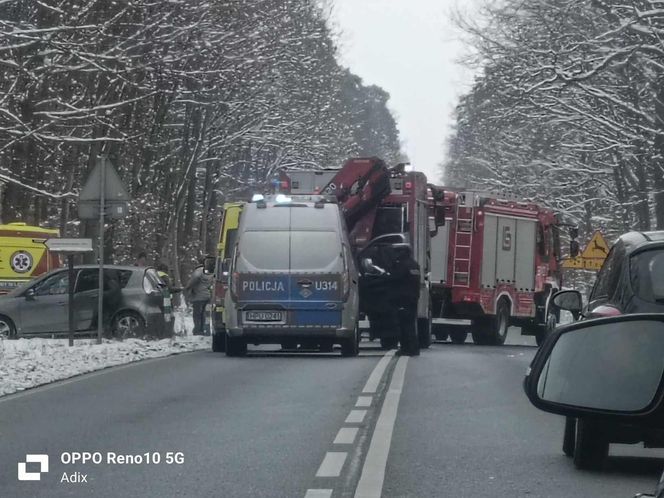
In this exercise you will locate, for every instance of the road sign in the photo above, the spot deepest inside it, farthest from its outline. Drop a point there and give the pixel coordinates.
(597, 248)
(593, 255)
(89, 210)
(114, 189)
(69, 245)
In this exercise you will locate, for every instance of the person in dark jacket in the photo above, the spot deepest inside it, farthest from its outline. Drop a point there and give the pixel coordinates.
(198, 292)
(405, 279)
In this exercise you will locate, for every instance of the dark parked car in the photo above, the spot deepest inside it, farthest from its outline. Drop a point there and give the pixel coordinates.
(136, 303)
(608, 370)
(630, 281)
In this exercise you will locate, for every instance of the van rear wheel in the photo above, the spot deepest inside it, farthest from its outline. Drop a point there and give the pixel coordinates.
(351, 346)
(235, 346)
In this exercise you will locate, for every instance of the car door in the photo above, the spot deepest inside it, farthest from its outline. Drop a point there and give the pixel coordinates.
(44, 308)
(86, 298)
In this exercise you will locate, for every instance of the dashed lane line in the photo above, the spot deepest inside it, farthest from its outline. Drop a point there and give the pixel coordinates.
(318, 493)
(364, 401)
(346, 435)
(356, 416)
(332, 464)
(374, 379)
(373, 471)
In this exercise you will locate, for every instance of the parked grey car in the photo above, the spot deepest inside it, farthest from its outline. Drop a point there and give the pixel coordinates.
(136, 303)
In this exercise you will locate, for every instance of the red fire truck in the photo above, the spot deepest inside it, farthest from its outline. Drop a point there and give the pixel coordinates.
(494, 264)
(373, 208)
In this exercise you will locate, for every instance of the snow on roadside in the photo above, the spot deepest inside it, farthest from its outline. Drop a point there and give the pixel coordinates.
(26, 363)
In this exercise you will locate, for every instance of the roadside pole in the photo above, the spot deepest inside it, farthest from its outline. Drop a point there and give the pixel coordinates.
(72, 278)
(102, 212)
(102, 197)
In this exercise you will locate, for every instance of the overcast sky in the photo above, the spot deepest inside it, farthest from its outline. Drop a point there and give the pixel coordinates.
(410, 48)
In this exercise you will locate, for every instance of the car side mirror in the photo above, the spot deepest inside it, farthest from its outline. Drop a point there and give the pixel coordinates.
(609, 368)
(29, 295)
(568, 300)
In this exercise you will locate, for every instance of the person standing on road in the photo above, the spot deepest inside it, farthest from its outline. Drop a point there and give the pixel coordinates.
(198, 292)
(405, 277)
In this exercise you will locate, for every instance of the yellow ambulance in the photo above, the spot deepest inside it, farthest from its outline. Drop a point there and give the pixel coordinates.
(227, 236)
(23, 254)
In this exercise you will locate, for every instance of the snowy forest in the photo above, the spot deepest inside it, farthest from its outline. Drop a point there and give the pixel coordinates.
(195, 102)
(568, 109)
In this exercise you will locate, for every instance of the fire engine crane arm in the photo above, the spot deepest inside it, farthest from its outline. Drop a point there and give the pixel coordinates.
(359, 186)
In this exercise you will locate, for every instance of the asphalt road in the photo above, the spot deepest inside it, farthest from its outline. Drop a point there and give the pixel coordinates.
(453, 422)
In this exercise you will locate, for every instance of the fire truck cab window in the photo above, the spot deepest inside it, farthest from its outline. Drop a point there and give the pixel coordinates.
(388, 220)
(541, 240)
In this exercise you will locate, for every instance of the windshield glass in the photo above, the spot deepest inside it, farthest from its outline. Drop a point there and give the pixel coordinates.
(647, 275)
(270, 251)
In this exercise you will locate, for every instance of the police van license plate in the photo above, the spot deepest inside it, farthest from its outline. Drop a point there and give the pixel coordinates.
(263, 316)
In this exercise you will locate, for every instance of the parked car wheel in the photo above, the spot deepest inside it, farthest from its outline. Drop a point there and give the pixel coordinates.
(7, 328)
(591, 446)
(127, 324)
(569, 436)
(458, 336)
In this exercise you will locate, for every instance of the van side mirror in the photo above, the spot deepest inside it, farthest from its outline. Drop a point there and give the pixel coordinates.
(29, 295)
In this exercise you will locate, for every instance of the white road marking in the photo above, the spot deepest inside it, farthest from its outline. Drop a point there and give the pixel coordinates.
(374, 379)
(364, 401)
(356, 416)
(373, 472)
(346, 435)
(332, 464)
(318, 493)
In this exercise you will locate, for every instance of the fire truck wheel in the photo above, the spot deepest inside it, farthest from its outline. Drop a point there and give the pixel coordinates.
(7, 328)
(424, 332)
(389, 342)
(439, 332)
(458, 336)
(500, 324)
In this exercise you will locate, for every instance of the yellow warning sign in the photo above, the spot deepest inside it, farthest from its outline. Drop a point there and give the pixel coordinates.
(593, 255)
(597, 248)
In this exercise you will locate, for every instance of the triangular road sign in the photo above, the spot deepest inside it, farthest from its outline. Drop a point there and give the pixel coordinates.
(597, 248)
(114, 188)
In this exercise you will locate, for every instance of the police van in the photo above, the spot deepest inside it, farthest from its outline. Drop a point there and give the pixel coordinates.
(293, 280)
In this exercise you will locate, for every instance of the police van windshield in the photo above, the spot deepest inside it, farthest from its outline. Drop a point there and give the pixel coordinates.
(288, 250)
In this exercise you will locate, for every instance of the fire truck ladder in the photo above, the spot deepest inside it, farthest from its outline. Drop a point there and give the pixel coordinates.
(463, 240)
